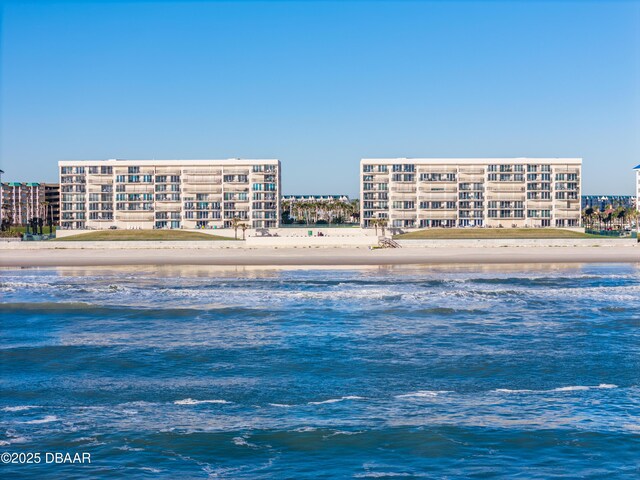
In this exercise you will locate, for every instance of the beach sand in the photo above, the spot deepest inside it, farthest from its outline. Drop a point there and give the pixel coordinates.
(317, 256)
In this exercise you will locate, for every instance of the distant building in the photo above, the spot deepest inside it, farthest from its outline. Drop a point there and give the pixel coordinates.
(150, 194)
(471, 192)
(23, 201)
(317, 208)
(52, 197)
(314, 198)
(602, 202)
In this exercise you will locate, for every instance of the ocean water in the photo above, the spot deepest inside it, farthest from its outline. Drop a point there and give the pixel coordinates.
(190, 373)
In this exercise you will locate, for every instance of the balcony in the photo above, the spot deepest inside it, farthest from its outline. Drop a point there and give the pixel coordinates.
(506, 188)
(444, 189)
(471, 170)
(131, 215)
(438, 197)
(204, 188)
(199, 171)
(539, 205)
(436, 169)
(437, 214)
(402, 215)
(135, 188)
(198, 179)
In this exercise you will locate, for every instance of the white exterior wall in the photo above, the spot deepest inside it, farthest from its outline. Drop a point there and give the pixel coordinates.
(638, 187)
(461, 192)
(150, 194)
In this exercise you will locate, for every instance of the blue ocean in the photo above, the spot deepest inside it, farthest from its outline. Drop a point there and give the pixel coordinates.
(408, 372)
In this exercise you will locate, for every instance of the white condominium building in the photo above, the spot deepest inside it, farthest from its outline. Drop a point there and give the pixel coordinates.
(169, 193)
(637, 169)
(471, 192)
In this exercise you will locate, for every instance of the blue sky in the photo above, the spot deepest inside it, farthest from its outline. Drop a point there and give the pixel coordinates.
(320, 85)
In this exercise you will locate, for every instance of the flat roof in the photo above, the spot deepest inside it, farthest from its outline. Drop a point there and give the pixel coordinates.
(119, 162)
(455, 161)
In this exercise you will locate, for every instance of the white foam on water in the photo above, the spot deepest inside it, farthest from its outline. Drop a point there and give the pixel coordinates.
(139, 403)
(335, 400)
(46, 419)
(16, 439)
(305, 429)
(423, 394)
(149, 469)
(127, 448)
(507, 390)
(382, 474)
(573, 388)
(191, 401)
(19, 408)
(280, 405)
(341, 432)
(242, 442)
(85, 439)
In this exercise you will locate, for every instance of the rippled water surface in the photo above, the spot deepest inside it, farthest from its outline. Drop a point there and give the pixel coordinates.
(385, 372)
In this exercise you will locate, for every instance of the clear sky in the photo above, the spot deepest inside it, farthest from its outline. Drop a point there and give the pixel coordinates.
(320, 85)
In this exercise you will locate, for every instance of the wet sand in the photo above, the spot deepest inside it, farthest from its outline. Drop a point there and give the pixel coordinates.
(317, 256)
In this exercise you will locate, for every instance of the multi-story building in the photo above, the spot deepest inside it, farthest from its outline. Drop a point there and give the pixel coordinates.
(602, 202)
(637, 169)
(169, 193)
(468, 192)
(23, 201)
(52, 199)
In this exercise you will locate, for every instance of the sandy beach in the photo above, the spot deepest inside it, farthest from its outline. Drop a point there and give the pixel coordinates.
(318, 256)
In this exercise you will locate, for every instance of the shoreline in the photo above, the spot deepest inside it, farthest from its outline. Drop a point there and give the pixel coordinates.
(346, 256)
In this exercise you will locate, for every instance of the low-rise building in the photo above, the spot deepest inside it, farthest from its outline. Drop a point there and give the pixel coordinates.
(471, 192)
(169, 193)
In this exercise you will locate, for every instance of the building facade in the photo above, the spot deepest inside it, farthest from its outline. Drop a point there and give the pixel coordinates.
(52, 197)
(188, 194)
(23, 201)
(471, 192)
(602, 202)
(637, 169)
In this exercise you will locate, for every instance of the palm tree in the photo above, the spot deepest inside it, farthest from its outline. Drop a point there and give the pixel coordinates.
(235, 223)
(354, 209)
(8, 215)
(46, 214)
(374, 222)
(587, 217)
(243, 227)
(383, 224)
